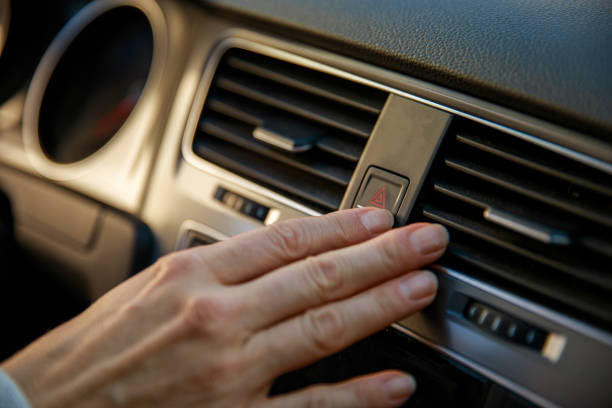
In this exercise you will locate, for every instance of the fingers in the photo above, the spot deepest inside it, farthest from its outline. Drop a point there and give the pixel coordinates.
(341, 273)
(386, 389)
(325, 330)
(254, 253)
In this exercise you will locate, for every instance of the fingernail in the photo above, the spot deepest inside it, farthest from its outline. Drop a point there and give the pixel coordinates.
(377, 221)
(429, 239)
(399, 387)
(418, 285)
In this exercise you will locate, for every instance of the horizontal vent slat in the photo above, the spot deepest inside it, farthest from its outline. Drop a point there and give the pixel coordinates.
(538, 159)
(531, 211)
(530, 189)
(328, 113)
(347, 149)
(551, 257)
(600, 245)
(239, 135)
(312, 189)
(525, 275)
(593, 237)
(323, 85)
(238, 108)
(332, 140)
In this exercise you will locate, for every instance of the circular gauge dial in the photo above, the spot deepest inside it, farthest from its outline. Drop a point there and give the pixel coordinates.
(95, 85)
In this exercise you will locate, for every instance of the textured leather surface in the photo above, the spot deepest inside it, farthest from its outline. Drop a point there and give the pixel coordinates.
(549, 58)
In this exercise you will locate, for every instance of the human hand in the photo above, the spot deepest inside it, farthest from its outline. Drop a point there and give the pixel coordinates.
(214, 326)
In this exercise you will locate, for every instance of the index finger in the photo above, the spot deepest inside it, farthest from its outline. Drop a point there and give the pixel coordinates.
(254, 253)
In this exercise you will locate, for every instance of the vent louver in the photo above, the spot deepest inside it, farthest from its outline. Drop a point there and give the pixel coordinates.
(297, 131)
(522, 216)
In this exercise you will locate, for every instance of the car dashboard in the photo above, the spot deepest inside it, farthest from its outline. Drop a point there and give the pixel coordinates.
(141, 127)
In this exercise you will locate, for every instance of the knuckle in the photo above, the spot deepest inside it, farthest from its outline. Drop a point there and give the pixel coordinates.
(386, 302)
(203, 314)
(324, 329)
(342, 227)
(290, 239)
(171, 267)
(323, 275)
(390, 253)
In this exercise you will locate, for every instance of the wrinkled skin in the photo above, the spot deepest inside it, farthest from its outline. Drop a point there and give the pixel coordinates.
(214, 326)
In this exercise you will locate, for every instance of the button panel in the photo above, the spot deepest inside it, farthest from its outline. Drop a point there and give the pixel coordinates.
(241, 204)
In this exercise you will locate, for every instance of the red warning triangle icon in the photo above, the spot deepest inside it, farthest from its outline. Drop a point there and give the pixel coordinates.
(379, 198)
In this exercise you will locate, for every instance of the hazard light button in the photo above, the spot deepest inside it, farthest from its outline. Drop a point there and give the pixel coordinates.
(381, 189)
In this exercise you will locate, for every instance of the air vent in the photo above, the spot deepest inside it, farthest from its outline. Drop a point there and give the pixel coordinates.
(297, 131)
(522, 216)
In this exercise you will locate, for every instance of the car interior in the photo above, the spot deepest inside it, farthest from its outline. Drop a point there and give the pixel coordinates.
(130, 129)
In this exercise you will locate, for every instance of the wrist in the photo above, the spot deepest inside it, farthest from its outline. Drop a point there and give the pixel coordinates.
(30, 369)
